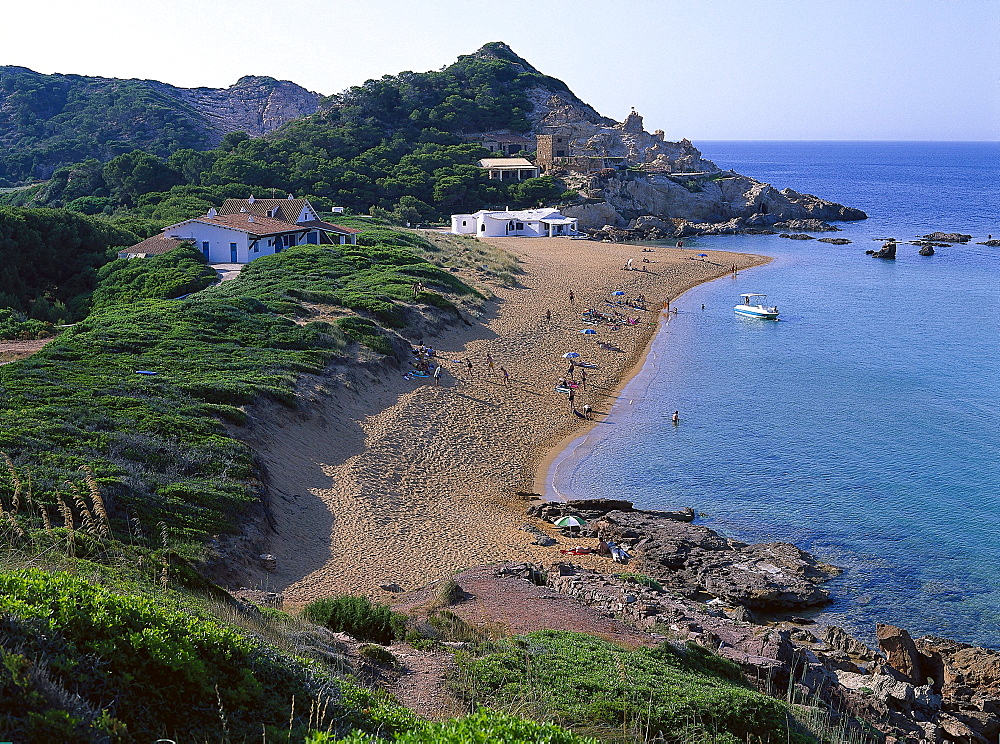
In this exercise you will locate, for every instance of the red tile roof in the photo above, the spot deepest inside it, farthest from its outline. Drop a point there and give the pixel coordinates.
(242, 222)
(154, 246)
(288, 209)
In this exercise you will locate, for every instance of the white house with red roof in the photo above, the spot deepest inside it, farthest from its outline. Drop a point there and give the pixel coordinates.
(244, 229)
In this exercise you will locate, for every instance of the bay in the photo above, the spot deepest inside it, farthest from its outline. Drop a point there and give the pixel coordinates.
(862, 426)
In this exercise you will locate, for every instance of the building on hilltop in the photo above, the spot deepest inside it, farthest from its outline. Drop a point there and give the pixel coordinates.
(509, 169)
(529, 223)
(245, 229)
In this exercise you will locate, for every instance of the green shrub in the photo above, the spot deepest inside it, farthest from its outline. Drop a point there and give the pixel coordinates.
(378, 655)
(81, 663)
(484, 726)
(174, 274)
(366, 333)
(359, 617)
(15, 326)
(589, 683)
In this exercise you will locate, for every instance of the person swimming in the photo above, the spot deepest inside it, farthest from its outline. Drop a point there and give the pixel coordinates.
(676, 417)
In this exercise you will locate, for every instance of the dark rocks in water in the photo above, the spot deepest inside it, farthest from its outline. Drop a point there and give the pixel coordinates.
(835, 241)
(602, 505)
(886, 251)
(948, 237)
(759, 231)
(811, 224)
(926, 250)
(797, 236)
(991, 243)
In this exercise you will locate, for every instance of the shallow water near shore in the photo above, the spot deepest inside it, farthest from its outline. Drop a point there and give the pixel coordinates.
(862, 426)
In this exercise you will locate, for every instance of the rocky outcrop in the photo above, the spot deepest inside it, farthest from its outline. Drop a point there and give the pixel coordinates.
(796, 236)
(834, 241)
(813, 225)
(737, 203)
(255, 105)
(926, 249)
(888, 250)
(942, 237)
(900, 652)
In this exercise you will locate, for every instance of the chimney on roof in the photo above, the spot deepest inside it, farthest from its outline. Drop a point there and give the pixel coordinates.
(250, 218)
(251, 199)
(290, 196)
(212, 212)
(243, 209)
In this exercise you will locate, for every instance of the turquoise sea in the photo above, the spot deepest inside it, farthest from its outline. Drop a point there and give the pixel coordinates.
(864, 426)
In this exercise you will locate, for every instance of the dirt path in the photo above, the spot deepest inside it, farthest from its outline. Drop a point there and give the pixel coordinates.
(11, 351)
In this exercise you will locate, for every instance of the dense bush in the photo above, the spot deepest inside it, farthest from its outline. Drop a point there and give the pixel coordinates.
(483, 727)
(173, 274)
(15, 326)
(358, 617)
(366, 333)
(49, 260)
(585, 682)
(81, 663)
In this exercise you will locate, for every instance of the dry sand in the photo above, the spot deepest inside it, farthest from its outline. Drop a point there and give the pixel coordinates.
(404, 481)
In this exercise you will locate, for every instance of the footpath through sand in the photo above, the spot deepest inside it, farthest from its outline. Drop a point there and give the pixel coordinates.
(402, 481)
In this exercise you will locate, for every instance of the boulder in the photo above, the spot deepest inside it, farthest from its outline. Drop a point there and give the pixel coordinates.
(835, 241)
(796, 236)
(926, 249)
(841, 640)
(900, 651)
(888, 250)
(990, 243)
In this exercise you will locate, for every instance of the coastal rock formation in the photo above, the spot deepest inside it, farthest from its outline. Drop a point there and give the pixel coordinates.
(991, 243)
(888, 250)
(900, 651)
(942, 237)
(812, 225)
(834, 241)
(797, 236)
(926, 249)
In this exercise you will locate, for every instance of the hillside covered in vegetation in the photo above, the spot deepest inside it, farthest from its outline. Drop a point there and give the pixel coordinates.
(48, 121)
(392, 144)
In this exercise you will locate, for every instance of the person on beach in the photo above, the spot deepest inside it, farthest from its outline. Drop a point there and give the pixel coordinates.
(583, 379)
(680, 243)
(548, 316)
(676, 417)
(506, 376)
(489, 362)
(437, 375)
(468, 364)
(571, 297)
(588, 411)
(572, 397)
(569, 372)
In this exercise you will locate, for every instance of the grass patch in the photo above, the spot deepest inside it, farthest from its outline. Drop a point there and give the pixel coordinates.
(642, 580)
(594, 686)
(483, 726)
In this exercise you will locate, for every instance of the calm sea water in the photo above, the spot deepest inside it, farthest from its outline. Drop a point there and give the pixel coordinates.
(863, 426)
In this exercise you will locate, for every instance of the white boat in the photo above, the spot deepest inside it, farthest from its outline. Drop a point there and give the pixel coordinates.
(754, 307)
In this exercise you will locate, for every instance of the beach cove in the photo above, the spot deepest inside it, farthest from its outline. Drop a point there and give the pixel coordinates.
(390, 480)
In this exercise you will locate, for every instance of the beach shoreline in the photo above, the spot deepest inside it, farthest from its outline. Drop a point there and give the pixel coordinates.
(382, 479)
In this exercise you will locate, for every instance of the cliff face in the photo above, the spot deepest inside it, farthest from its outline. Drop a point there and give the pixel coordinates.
(255, 105)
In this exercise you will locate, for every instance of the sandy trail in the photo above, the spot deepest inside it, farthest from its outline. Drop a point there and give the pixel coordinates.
(12, 351)
(404, 481)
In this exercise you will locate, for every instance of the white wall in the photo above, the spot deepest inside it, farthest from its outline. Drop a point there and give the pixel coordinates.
(220, 238)
(463, 224)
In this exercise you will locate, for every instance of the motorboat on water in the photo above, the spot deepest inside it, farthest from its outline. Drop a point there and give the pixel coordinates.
(754, 307)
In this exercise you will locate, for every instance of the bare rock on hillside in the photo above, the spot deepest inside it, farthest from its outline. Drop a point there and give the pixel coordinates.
(841, 640)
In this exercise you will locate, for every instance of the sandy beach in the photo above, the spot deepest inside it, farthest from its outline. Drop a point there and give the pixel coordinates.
(404, 481)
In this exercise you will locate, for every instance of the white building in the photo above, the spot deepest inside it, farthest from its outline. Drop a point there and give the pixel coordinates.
(245, 229)
(510, 169)
(531, 223)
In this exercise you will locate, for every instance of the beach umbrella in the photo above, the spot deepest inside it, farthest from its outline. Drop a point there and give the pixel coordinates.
(571, 355)
(702, 255)
(569, 521)
(619, 293)
(588, 331)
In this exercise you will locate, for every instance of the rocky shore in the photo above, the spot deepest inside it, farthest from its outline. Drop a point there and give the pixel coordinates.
(689, 583)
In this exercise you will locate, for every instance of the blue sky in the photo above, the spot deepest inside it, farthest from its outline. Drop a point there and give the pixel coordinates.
(702, 69)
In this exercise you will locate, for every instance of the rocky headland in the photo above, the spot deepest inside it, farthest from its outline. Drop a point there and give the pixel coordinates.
(689, 583)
